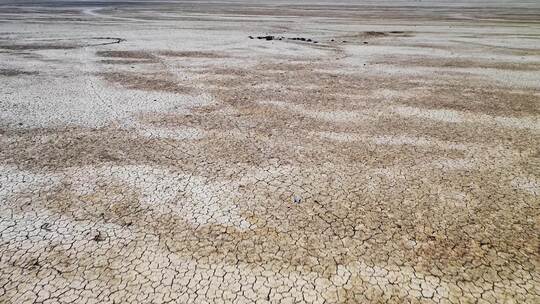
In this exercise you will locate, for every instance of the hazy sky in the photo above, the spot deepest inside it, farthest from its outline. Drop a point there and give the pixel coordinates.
(531, 4)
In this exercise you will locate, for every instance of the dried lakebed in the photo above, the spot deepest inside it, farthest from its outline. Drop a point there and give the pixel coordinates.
(396, 160)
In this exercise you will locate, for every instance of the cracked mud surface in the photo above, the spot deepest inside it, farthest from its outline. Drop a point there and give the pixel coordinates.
(190, 164)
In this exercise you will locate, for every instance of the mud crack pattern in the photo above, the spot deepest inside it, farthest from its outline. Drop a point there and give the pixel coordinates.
(199, 166)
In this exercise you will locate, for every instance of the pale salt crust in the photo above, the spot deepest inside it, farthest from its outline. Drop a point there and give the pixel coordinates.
(452, 116)
(530, 185)
(158, 187)
(85, 101)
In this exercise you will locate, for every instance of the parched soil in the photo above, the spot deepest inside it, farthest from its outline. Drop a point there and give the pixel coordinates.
(191, 164)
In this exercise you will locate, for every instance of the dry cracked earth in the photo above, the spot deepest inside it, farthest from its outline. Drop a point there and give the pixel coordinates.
(152, 152)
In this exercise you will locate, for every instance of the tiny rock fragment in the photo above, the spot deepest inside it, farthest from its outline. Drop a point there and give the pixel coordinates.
(98, 237)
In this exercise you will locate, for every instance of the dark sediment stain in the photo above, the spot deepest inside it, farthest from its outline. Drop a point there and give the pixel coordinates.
(16, 72)
(37, 46)
(444, 62)
(147, 82)
(191, 54)
(125, 61)
(126, 54)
